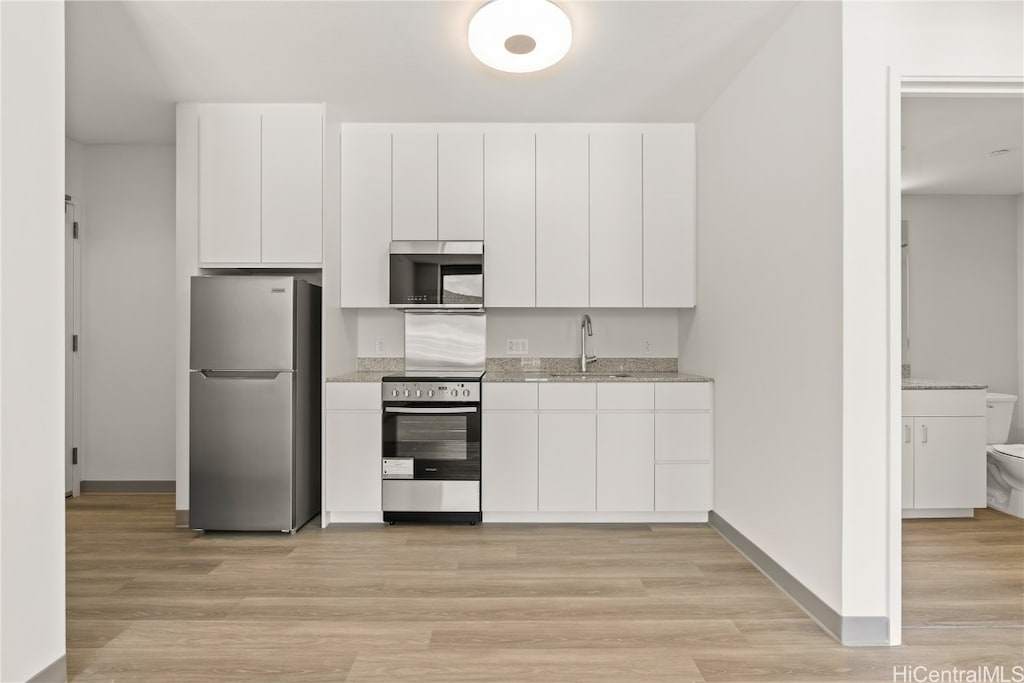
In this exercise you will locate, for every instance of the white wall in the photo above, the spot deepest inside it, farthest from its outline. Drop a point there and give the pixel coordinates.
(952, 39)
(768, 323)
(127, 343)
(550, 333)
(963, 288)
(31, 340)
(1017, 435)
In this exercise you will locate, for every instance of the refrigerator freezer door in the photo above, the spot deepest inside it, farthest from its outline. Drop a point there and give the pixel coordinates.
(240, 461)
(242, 323)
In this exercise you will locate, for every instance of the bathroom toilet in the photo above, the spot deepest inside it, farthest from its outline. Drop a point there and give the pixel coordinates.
(1005, 461)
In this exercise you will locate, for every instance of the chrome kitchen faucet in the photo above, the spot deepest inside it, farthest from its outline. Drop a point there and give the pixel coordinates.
(585, 331)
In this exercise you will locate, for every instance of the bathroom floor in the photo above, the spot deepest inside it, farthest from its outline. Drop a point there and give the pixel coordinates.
(965, 574)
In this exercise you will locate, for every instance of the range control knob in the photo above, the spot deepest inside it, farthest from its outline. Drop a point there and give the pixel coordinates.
(406, 392)
(465, 392)
(418, 393)
(430, 393)
(455, 392)
(394, 392)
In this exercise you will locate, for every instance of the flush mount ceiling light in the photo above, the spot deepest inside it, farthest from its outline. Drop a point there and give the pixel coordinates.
(519, 36)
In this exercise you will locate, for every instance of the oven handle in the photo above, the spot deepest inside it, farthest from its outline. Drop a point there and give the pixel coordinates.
(433, 411)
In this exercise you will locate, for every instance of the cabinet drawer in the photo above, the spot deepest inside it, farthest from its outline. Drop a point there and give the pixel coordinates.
(937, 402)
(682, 396)
(682, 437)
(631, 396)
(501, 396)
(568, 396)
(353, 396)
(682, 487)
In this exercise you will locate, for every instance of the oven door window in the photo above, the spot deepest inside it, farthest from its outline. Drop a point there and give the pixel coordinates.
(442, 445)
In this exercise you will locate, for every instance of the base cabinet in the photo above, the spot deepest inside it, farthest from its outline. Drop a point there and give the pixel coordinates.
(578, 452)
(943, 453)
(509, 464)
(352, 453)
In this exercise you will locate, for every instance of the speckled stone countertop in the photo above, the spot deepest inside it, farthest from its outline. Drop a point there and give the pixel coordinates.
(914, 383)
(602, 370)
(371, 370)
(544, 370)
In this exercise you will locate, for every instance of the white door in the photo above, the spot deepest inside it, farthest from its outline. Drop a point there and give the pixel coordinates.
(72, 366)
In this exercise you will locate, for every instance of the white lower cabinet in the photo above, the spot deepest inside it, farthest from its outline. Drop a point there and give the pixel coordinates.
(631, 451)
(943, 452)
(568, 458)
(625, 462)
(509, 461)
(352, 452)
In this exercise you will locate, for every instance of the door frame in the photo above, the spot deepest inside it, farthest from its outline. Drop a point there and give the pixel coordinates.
(72, 357)
(902, 85)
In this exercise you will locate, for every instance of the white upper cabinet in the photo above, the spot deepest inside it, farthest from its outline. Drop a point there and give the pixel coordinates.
(669, 210)
(292, 182)
(460, 185)
(414, 185)
(229, 186)
(365, 216)
(260, 185)
(616, 219)
(509, 231)
(563, 219)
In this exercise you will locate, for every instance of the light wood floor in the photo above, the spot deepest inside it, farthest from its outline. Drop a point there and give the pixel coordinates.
(148, 602)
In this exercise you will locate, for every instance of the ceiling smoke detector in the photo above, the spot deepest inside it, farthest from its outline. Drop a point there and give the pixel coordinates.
(520, 36)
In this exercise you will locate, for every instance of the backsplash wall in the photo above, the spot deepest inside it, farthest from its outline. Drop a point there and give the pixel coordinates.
(551, 333)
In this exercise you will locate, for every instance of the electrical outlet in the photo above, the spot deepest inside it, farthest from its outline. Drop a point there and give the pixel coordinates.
(378, 347)
(645, 347)
(517, 347)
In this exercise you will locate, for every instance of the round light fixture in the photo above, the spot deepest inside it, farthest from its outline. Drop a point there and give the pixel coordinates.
(519, 36)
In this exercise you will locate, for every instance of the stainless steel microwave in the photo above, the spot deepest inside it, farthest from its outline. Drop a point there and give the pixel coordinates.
(437, 274)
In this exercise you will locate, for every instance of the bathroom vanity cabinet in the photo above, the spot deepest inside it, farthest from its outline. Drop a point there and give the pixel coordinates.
(943, 438)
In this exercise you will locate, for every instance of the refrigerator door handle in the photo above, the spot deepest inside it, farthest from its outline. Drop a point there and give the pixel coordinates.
(241, 374)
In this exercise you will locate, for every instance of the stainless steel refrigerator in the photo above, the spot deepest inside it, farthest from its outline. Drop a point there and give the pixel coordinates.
(254, 403)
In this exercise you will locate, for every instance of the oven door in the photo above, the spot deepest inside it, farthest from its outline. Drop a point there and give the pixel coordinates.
(431, 441)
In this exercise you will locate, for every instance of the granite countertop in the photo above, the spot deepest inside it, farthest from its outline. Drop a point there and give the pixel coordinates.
(594, 376)
(360, 376)
(915, 383)
(544, 370)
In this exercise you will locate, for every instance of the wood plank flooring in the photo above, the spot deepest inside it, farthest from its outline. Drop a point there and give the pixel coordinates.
(575, 603)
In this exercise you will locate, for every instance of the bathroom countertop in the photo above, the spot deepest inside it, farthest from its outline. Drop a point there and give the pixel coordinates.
(911, 383)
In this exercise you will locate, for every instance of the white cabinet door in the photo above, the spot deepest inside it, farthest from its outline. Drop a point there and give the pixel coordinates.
(563, 219)
(365, 217)
(568, 461)
(682, 487)
(292, 188)
(625, 462)
(908, 463)
(949, 462)
(509, 462)
(509, 200)
(669, 215)
(229, 187)
(460, 186)
(682, 437)
(414, 186)
(616, 220)
(352, 468)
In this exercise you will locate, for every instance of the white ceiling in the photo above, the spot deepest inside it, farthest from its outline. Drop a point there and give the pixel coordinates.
(395, 60)
(946, 144)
